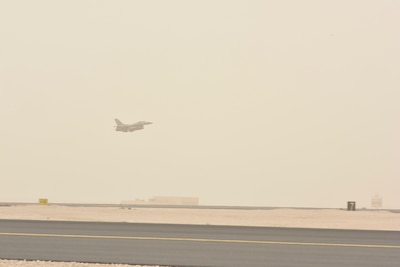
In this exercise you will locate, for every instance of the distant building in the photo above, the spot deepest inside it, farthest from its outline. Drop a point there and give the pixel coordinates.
(165, 200)
(376, 202)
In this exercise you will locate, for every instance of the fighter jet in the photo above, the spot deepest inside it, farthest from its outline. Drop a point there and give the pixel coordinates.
(130, 127)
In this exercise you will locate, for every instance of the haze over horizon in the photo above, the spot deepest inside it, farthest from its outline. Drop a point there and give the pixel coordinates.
(264, 103)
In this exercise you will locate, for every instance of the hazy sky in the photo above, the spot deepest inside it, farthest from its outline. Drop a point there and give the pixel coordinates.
(268, 103)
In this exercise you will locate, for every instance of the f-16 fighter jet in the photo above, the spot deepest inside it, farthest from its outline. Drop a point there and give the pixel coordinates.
(130, 127)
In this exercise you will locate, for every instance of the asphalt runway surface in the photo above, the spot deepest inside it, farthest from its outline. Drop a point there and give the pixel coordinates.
(196, 245)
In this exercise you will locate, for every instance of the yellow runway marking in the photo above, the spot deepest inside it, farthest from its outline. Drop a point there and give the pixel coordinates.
(203, 240)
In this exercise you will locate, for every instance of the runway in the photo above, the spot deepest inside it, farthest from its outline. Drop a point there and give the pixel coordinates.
(196, 245)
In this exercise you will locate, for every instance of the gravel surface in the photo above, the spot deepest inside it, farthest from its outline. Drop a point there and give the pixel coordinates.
(13, 263)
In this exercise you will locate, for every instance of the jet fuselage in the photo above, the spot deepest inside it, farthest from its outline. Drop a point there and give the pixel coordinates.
(121, 127)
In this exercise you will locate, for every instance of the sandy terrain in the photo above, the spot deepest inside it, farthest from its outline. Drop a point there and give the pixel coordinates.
(307, 218)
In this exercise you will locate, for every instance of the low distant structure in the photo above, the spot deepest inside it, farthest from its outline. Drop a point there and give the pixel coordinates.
(165, 200)
(43, 201)
(376, 202)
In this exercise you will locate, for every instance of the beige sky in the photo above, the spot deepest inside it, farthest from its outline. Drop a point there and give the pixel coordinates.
(269, 103)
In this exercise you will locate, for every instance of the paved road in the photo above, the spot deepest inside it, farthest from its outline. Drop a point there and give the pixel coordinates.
(195, 245)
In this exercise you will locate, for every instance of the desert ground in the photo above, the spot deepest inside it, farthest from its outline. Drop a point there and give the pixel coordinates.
(277, 217)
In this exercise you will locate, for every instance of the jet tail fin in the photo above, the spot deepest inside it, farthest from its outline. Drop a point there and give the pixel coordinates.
(118, 122)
